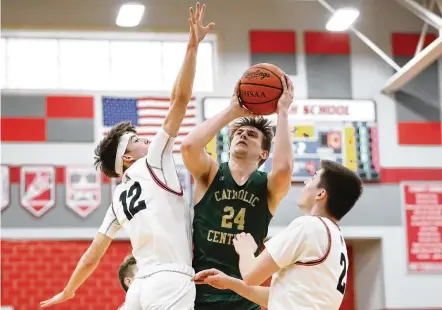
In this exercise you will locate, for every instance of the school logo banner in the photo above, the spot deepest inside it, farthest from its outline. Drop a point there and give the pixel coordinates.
(5, 188)
(37, 189)
(83, 189)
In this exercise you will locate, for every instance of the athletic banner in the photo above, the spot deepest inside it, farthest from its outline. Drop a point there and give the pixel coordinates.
(37, 189)
(5, 188)
(83, 189)
(422, 205)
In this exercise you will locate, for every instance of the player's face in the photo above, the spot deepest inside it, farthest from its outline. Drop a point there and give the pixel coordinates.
(136, 148)
(247, 142)
(311, 193)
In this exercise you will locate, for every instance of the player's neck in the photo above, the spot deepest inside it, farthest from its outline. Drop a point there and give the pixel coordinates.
(242, 168)
(318, 210)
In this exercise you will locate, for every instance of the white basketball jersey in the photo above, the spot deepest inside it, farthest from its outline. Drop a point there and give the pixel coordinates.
(312, 255)
(149, 204)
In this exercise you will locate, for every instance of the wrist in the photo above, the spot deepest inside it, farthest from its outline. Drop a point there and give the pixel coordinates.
(192, 46)
(283, 112)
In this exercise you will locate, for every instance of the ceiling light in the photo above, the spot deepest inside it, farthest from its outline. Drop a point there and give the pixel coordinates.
(130, 15)
(342, 19)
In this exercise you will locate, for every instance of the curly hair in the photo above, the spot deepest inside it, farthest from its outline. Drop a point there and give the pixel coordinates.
(107, 148)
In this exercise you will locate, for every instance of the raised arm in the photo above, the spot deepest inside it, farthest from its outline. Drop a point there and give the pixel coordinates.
(279, 178)
(199, 163)
(182, 89)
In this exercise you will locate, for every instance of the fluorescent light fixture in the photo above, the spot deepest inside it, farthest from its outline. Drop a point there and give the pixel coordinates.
(342, 19)
(130, 15)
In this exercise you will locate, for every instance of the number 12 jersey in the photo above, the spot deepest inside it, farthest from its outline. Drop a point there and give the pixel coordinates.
(149, 204)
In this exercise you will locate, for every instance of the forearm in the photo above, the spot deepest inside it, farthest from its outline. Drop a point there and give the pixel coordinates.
(257, 294)
(282, 149)
(84, 269)
(204, 132)
(182, 88)
(246, 262)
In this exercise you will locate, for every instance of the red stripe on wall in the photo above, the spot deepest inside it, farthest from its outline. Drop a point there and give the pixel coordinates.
(419, 133)
(327, 43)
(23, 130)
(404, 44)
(69, 107)
(397, 175)
(264, 41)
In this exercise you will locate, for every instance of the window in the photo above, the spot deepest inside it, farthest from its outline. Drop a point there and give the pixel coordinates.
(31, 63)
(135, 65)
(98, 62)
(84, 64)
(2, 63)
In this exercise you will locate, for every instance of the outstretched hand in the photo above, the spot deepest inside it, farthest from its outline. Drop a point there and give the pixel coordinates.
(197, 31)
(59, 298)
(213, 277)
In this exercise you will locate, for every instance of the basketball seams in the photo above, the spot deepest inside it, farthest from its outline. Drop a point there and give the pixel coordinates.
(274, 87)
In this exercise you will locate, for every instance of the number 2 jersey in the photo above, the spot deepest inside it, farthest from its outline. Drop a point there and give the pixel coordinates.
(149, 204)
(312, 255)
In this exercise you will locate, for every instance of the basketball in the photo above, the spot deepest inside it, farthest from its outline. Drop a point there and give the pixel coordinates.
(260, 88)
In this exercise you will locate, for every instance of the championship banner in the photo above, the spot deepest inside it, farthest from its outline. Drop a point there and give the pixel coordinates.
(343, 131)
(83, 189)
(5, 188)
(37, 189)
(422, 205)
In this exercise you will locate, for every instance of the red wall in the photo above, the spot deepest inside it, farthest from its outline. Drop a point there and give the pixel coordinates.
(33, 271)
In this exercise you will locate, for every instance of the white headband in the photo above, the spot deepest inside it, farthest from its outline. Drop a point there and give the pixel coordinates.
(122, 146)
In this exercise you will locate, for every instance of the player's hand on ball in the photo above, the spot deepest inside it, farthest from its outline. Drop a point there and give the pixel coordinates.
(244, 243)
(59, 298)
(213, 277)
(236, 107)
(197, 30)
(286, 98)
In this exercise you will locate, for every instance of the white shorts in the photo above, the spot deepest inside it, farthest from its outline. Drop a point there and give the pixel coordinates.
(168, 288)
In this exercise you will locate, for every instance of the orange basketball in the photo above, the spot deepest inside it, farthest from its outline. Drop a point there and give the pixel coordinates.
(260, 88)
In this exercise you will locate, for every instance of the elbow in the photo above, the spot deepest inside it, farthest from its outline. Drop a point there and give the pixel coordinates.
(89, 260)
(186, 147)
(250, 280)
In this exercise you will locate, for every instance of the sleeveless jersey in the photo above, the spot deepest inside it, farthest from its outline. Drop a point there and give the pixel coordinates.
(150, 206)
(226, 210)
(312, 255)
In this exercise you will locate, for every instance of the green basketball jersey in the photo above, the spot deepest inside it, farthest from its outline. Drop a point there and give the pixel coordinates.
(226, 210)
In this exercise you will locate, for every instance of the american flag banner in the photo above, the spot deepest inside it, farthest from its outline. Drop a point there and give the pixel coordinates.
(147, 114)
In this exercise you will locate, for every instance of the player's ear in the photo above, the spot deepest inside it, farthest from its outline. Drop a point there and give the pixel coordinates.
(127, 281)
(264, 154)
(321, 194)
(128, 158)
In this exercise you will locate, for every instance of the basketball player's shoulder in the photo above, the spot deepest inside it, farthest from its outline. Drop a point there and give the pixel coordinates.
(307, 225)
(137, 171)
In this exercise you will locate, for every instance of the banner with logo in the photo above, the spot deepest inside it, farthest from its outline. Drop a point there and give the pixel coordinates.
(83, 189)
(37, 189)
(5, 188)
(422, 205)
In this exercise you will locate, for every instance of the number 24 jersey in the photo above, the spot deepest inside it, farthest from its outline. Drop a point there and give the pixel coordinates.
(149, 204)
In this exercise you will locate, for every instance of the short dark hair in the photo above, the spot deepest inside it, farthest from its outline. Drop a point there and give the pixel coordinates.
(125, 271)
(262, 124)
(343, 187)
(107, 148)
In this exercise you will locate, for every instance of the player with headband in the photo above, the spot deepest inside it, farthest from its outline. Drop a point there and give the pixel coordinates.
(149, 203)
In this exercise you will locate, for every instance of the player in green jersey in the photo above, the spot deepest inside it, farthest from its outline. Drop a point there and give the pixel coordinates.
(235, 197)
